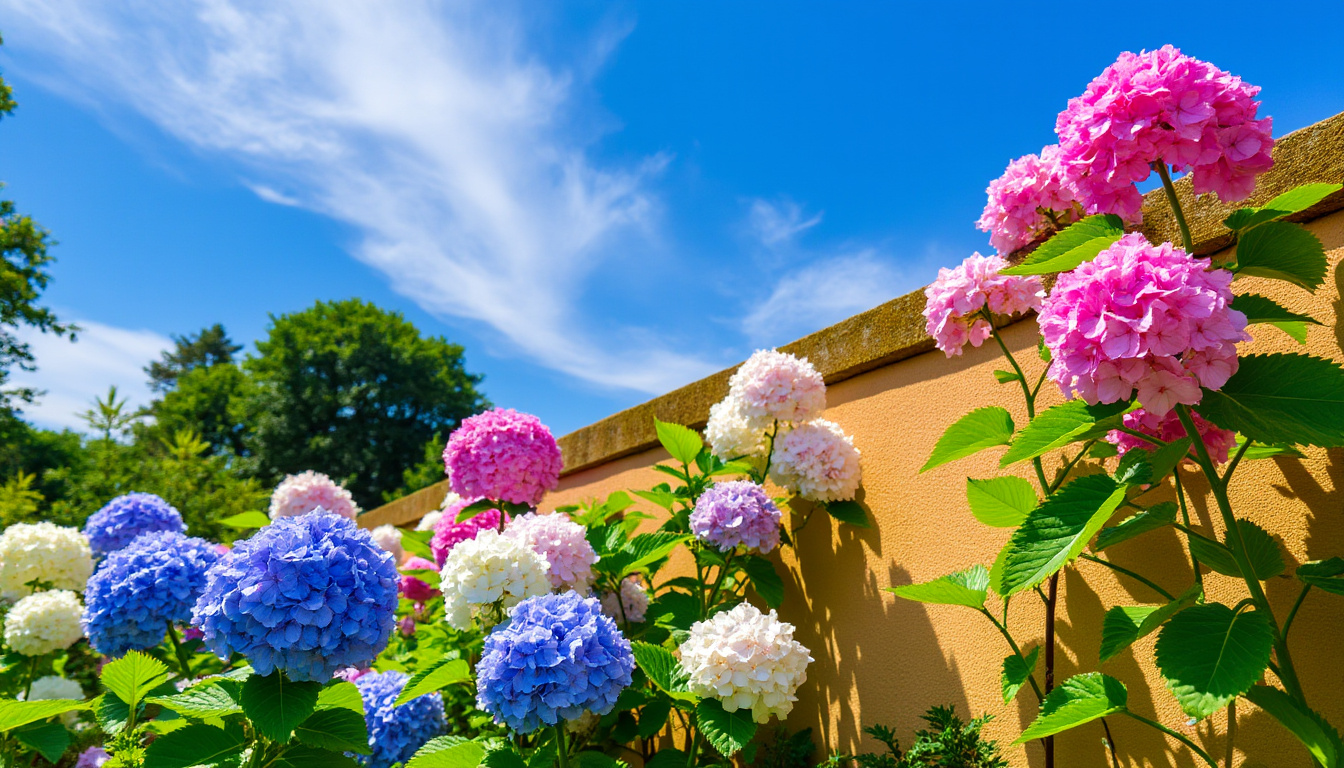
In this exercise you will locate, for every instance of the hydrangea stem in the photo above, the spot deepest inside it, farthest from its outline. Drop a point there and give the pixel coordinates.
(1003, 630)
(1175, 735)
(1170, 189)
(561, 749)
(183, 662)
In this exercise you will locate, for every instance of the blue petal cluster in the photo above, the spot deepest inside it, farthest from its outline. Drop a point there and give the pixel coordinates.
(309, 595)
(125, 517)
(557, 656)
(141, 588)
(395, 733)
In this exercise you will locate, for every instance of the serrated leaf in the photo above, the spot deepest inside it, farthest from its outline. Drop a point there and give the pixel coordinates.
(503, 757)
(133, 676)
(961, 588)
(1157, 516)
(276, 705)
(194, 745)
(662, 669)
(415, 545)
(653, 717)
(16, 714)
(1282, 251)
(664, 499)
(1123, 625)
(1263, 451)
(1294, 399)
(1078, 700)
(1327, 575)
(1057, 531)
(1210, 654)
(341, 695)
(1007, 377)
(1075, 244)
(849, 512)
(996, 571)
(1214, 555)
(1317, 735)
(1003, 502)
(1290, 202)
(112, 713)
(340, 730)
(247, 520)
(593, 759)
(305, 756)
(1260, 309)
(727, 732)
(50, 740)
(765, 580)
(1066, 423)
(434, 677)
(682, 442)
(200, 702)
(1016, 671)
(980, 429)
(1165, 459)
(641, 551)
(448, 752)
(674, 610)
(1261, 549)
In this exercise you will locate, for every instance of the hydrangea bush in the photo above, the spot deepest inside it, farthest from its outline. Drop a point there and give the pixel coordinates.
(125, 517)
(396, 731)
(502, 455)
(44, 622)
(42, 553)
(746, 660)
(302, 493)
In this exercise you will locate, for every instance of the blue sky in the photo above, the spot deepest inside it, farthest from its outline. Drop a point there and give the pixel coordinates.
(601, 202)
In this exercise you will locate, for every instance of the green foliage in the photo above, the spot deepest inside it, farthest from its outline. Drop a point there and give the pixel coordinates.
(1290, 202)
(193, 745)
(1125, 624)
(681, 442)
(276, 705)
(1078, 700)
(1061, 425)
(1154, 518)
(1318, 736)
(208, 348)
(205, 400)
(980, 429)
(728, 732)
(785, 750)
(1282, 251)
(1077, 243)
(966, 588)
(1259, 309)
(1057, 531)
(1327, 575)
(1296, 399)
(436, 676)
(1002, 502)
(1202, 680)
(1016, 671)
(946, 743)
(448, 752)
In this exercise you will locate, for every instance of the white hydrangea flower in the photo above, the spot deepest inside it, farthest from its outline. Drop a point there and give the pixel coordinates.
(389, 538)
(817, 461)
(634, 600)
(487, 570)
(731, 433)
(564, 544)
(302, 493)
(430, 520)
(747, 660)
(44, 622)
(777, 385)
(55, 687)
(43, 552)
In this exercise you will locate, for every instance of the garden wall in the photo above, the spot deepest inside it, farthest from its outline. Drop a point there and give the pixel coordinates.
(884, 660)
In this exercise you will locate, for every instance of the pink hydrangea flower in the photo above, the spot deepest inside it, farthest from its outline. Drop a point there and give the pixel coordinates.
(776, 385)
(1220, 442)
(93, 757)
(1162, 106)
(302, 493)
(1142, 318)
(413, 588)
(503, 455)
(351, 674)
(631, 605)
(406, 625)
(817, 461)
(1030, 200)
(952, 312)
(564, 544)
(736, 513)
(448, 533)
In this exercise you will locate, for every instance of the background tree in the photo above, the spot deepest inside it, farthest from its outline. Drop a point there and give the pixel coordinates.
(204, 398)
(208, 348)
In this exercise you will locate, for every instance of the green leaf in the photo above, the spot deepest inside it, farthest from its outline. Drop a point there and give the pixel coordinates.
(662, 668)
(16, 714)
(473, 509)
(682, 442)
(133, 676)
(200, 702)
(435, 677)
(503, 757)
(112, 713)
(961, 588)
(194, 745)
(593, 759)
(1016, 671)
(1259, 309)
(1057, 531)
(341, 695)
(1078, 700)
(247, 520)
(1215, 555)
(1282, 251)
(1281, 399)
(1165, 459)
(1318, 736)
(1075, 244)
(653, 717)
(664, 499)
(1262, 550)
(674, 610)
(1124, 625)
(275, 704)
(1007, 377)
(980, 429)
(1157, 516)
(1003, 502)
(639, 552)
(412, 543)
(1290, 202)
(728, 732)
(765, 580)
(1327, 575)
(1263, 451)
(849, 511)
(304, 756)
(1061, 425)
(1210, 654)
(50, 740)
(339, 730)
(667, 758)
(448, 752)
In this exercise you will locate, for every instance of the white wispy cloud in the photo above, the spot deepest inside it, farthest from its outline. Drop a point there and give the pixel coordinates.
(775, 223)
(825, 291)
(430, 128)
(74, 373)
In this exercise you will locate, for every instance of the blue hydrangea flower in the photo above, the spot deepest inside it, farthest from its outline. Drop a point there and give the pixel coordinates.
(395, 733)
(139, 589)
(557, 657)
(125, 517)
(309, 595)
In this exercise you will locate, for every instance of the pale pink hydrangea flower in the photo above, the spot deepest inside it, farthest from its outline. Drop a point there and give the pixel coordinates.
(776, 385)
(1162, 106)
(503, 455)
(388, 538)
(1142, 318)
(747, 660)
(952, 312)
(633, 601)
(302, 493)
(448, 533)
(564, 544)
(817, 461)
(731, 433)
(1030, 200)
(1220, 442)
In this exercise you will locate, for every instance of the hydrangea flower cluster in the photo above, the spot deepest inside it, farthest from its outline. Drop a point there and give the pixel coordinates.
(1030, 200)
(564, 544)
(773, 385)
(503, 455)
(1145, 318)
(44, 622)
(952, 312)
(141, 588)
(491, 569)
(1162, 106)
(302, 493)
(731, 433)
(416, 589)
(93, 757)
(817, 461)
(448, 533)
(631, 605)
(125, 517)
(737, 513)
(747, 660)
(308, 594)
(389, 538)
(395, 733)
(556, 658)
(1220, 442)
(52, 687)
(42, 552)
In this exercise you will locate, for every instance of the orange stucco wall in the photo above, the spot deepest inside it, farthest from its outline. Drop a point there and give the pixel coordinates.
(884, 660)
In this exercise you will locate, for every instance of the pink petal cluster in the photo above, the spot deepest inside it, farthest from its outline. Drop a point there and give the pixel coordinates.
(1030, 200)
(1145, 318)
(413, 588)
(736, 513)
(448, 533)
(302, 493)
(774, 385)
(503, 455)
(631, 605)
(1220, 442)
(952, 312)
(564, 544)
(817, 461)
(1162, 106)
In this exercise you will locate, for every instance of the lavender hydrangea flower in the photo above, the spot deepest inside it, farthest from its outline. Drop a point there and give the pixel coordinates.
(141, 588)
(308, 595)
(556, 658)
(125, 517)
(395, 733)
(735, 513)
